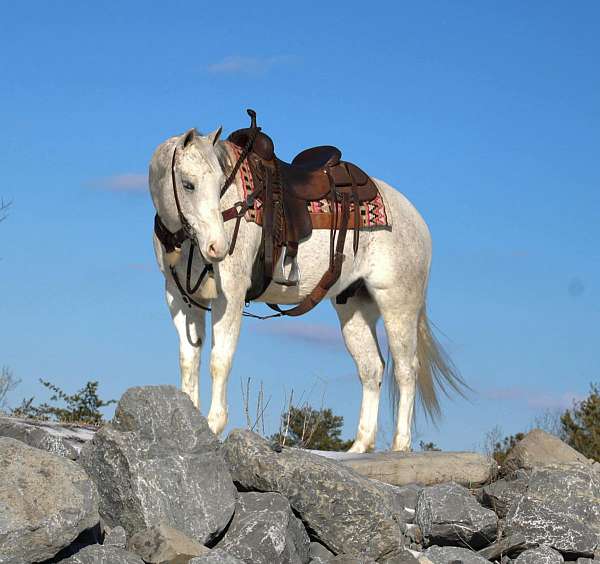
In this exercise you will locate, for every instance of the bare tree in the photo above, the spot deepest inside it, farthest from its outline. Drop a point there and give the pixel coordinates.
(492, 438)
(549, 421)
(254, 422)
(7, 383)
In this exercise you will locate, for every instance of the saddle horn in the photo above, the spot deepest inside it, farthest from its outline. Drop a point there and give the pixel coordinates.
(252, 115)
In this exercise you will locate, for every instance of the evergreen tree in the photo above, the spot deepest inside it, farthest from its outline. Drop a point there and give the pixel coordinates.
(581, 424)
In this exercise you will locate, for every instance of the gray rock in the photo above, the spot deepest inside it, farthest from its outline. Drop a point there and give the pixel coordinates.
(450, 554)
(265, 531)
(46, 501)
(116, 537)
(583, 560)
(100, 554)
(414, 534)
(538, 449)
(351, 559)
(510, 544)
(404, 558)
(344, 511)
(404, 500)
(560, 508)
(57, 438)
(159, 463)
(449, 514)
(500, 495)
(216, 556)
(161, 544)
(541, 555)
(317, 550)
(426, 468)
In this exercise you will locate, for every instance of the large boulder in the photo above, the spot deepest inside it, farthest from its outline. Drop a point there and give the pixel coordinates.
(539, 448)
(46, 501)
(58, 438)
(449, 515)
(453, 554)
(158, 462)
(264, 530)
(559, 508)
(426, 468)
(540, 555)
(343, 510)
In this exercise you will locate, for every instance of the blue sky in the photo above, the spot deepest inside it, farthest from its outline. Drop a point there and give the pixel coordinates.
(485, 114)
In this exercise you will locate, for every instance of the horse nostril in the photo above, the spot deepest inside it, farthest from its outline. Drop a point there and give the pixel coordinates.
(214, 251)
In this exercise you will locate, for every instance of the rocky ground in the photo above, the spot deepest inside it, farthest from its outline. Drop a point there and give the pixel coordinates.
(156, 486)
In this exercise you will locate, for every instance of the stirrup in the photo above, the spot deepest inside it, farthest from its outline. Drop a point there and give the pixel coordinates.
(293, 278)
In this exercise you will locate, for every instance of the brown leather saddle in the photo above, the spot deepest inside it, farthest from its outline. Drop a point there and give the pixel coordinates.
(284, 189)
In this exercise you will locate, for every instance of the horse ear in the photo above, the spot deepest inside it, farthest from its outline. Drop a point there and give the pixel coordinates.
(215, 135)
(188, 137)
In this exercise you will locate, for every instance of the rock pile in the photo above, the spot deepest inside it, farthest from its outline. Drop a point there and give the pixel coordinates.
(156, 486)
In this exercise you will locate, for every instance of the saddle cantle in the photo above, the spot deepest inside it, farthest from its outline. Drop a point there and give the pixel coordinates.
(284, 190)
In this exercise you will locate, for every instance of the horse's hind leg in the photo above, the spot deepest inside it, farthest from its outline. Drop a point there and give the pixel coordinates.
(401, 324)
(189, 323)
(358, 319)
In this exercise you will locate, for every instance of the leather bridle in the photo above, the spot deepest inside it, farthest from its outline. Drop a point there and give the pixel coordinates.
(172, 241)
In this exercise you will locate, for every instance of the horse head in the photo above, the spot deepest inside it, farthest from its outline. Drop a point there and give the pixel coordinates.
(186, 188)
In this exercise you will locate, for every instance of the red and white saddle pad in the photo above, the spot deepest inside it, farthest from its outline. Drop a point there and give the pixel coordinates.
(372, 213)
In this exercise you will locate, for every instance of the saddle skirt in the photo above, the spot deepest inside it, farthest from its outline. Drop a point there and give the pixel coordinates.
(372, 213)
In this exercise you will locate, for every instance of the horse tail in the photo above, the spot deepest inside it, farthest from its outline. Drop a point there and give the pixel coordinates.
(435, 369)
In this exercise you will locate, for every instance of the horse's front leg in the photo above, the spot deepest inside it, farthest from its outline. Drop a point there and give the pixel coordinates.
(190, 326)
(226, 322)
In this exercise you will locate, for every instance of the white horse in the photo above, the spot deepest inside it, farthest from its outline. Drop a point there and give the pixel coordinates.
(393, 263)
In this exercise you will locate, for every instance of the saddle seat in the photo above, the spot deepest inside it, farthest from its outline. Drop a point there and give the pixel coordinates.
(306, 177)
(318, 157)
(319, 172)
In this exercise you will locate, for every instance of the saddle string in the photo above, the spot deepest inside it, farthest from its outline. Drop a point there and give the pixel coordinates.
(334, 219)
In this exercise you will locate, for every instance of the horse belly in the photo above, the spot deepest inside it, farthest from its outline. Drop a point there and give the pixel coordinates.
(313, 261)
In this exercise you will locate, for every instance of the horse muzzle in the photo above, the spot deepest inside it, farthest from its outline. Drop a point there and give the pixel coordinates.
(215, 251)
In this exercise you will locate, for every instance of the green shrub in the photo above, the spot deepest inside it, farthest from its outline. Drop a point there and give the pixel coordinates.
(81, 407)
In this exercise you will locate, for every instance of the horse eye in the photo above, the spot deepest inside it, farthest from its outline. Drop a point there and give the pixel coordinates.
(188, 186)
